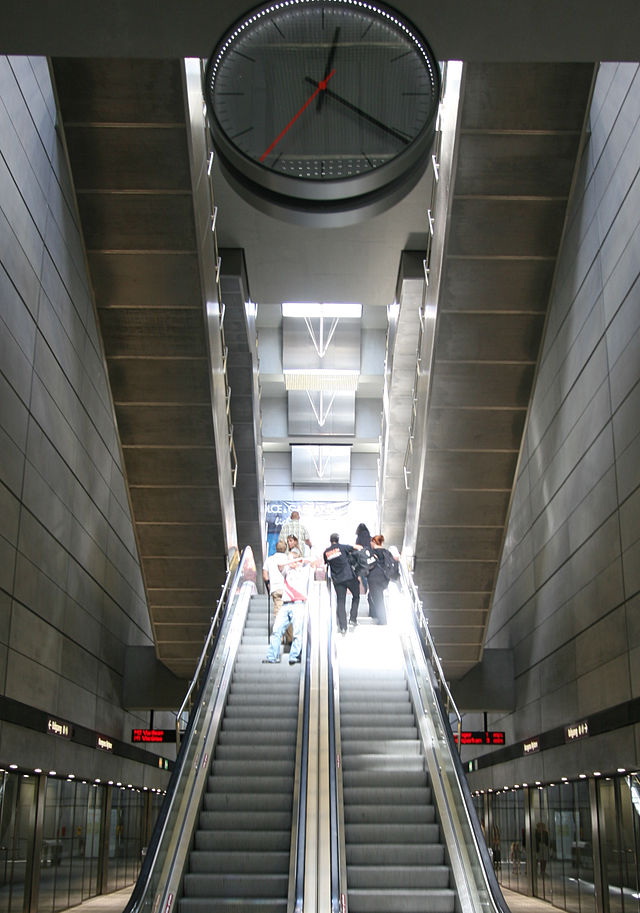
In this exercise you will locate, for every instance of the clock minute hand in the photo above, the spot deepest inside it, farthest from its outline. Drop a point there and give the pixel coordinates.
(364, 114)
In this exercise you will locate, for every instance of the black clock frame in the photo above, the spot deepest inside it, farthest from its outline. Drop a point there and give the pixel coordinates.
(327, 202)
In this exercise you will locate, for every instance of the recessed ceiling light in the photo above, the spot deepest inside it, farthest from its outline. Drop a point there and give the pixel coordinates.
(342, 310)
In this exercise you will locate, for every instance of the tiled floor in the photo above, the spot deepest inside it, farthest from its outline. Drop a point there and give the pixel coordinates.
(116, 902)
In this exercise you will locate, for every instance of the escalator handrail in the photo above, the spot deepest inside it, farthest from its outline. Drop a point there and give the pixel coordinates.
(231, 583)
(301, 812)
(442, 708)
(236, 576)
(333, 786)
(409, 586)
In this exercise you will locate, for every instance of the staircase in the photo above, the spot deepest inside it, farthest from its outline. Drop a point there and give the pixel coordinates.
(395, 857)
(241, 854)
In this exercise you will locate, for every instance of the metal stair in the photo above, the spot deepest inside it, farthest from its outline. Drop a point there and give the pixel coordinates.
(241, 854)
(395, 856)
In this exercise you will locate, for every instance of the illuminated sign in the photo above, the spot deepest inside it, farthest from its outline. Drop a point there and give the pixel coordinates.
(154, 736)
(576, 731)
(104, 743)
(531, 746)
(481, 737)
(58, 727)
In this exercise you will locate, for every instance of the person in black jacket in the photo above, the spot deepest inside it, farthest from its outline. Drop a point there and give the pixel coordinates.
(363, 540)
(378, 582)
(337, 557)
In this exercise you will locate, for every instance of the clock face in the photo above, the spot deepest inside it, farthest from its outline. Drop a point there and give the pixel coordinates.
(323, 100)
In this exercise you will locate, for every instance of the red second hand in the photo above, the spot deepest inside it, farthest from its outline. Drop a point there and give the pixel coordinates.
(322, 85)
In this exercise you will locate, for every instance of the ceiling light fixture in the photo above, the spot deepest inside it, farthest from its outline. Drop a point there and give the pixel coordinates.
(306, 309)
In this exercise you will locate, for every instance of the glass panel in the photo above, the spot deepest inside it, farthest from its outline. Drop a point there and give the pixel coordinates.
(53, 894)
(609, 842)
(541, 840)
(581, 877)
(17, 814)
(629, 804)
(90, 838)
(125, 837)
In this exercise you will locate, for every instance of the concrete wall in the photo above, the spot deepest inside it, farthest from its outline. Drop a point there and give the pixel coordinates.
(71, 592)
(567, 600)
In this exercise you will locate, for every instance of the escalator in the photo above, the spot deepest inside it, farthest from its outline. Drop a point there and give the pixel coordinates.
(408, 836)
(241, 853)
(394, 849)
(228, 837)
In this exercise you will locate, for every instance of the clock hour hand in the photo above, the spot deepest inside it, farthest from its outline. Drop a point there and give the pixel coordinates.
(364, 114)
(329, 66)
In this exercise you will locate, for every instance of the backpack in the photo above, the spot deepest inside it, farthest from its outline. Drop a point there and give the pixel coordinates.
(362, 560)
(388, 564)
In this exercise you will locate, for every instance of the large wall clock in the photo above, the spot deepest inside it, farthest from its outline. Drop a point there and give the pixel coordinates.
(323, 111)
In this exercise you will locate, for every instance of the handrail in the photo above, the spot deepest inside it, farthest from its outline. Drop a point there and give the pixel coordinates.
(235, 575)
(338, 865)
(423, 627)
(177, 814)
(460, 823)
(301, 814)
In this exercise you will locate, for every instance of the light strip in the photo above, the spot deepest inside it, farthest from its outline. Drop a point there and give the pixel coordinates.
(322, 309)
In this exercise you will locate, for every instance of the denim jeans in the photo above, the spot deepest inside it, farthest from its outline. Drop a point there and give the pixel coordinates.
(290, 613)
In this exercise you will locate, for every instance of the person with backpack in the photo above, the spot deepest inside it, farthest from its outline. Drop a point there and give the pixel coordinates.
(338, 557)
(363, 541)
(379, 575)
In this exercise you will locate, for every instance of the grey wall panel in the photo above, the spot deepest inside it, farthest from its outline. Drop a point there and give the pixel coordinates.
(574, 626)
(70, 580)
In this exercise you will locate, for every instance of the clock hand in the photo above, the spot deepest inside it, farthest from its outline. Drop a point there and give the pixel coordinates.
(368, 117)
(320, 87)
(327, 69)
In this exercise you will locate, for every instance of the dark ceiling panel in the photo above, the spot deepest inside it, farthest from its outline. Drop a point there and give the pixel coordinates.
(119, 157)
(189, 426)
(489, 337)
(137, 221)
(165, 380)
(119, 91)
(505, 227)
(146, 279)
(153, 332)
(482, 385)
(496, 285)
(199, 540)
(476, 429)
(183, 505)
(463, 508)
(171, 466)
(504, 163)
(473, 470)
(526, 96)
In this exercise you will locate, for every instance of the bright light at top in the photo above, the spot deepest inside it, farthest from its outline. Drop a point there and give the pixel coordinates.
(321, 309)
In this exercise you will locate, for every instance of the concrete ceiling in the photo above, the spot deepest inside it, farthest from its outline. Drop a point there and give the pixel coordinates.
(518, 30)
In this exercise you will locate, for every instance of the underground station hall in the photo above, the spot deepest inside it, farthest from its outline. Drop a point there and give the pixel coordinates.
(320, 456)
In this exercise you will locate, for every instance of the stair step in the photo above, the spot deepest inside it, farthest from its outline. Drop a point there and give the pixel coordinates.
(438, 900)
(398, 877)
(235, 801)
(247, 841)
(390, 795)
(250, 784)
(392, 833)
(382, 815)
(221, 820)
(390, 854)
(243, 885)
(232, 905)
(237, 862)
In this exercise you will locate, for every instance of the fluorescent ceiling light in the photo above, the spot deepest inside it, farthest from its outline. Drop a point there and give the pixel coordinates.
(321, 309)
(321, 380)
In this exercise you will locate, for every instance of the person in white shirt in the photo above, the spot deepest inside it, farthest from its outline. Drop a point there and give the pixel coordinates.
(296, 591)
(272, 574)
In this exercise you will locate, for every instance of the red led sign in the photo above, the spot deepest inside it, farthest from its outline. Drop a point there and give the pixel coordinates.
(469, 737)
(153, 735)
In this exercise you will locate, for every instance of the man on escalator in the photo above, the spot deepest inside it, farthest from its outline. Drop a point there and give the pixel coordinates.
(337, 556)
(297, 577)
